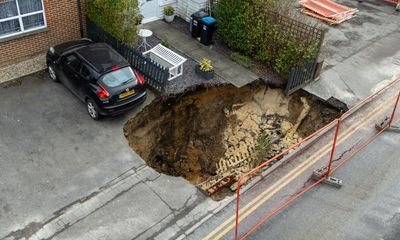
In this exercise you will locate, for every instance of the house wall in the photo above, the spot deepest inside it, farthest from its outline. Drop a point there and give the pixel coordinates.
(185, 8)
(62, 25)
(181, 9)
(164, 3)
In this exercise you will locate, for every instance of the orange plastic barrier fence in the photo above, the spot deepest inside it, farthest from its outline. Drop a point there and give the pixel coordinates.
(327, 10)
(337, 123)
(393, 1)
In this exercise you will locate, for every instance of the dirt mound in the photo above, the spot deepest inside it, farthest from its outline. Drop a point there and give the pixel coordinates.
(210, 134)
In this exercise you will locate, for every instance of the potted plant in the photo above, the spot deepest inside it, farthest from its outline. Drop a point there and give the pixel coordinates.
(205, 69)
(169, 13)
(165, 42)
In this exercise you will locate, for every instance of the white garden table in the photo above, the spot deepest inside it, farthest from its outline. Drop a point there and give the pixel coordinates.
(168, 59)
(144, 34)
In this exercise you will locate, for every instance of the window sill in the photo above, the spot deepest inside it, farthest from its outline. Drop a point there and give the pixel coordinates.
(6, 39)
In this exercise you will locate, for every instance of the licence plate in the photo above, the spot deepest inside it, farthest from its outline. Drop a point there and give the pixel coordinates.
(126, 94)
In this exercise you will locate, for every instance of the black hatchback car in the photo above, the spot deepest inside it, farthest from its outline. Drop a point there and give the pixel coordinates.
(97, 75)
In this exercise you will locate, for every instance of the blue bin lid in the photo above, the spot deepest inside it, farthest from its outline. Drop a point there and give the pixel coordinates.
(209, 20)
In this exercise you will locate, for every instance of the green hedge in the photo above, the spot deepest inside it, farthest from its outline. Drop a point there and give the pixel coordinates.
(120, 18)
(253, 28)
(232, 28)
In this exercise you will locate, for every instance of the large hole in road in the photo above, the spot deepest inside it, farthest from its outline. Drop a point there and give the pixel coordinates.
(209, 134)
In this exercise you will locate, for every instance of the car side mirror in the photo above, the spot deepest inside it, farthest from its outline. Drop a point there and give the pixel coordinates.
(52, 52)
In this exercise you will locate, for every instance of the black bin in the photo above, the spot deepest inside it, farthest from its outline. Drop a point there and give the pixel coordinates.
(207, 30)
(196, 24)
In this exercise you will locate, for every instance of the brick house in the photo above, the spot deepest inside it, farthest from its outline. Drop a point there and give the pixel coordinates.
(30, 27)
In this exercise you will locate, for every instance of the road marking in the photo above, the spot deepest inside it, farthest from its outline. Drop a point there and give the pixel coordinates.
(303, 166)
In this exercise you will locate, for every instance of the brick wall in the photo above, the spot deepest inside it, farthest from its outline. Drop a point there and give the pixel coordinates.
(62, 25)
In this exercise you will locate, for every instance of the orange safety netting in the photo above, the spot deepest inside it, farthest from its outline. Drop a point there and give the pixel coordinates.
(327, 10)
(393, 1)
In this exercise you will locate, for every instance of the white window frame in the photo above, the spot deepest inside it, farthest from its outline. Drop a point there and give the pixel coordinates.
(19, 17)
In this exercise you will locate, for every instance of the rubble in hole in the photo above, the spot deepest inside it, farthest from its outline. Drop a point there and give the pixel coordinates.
(211, 136)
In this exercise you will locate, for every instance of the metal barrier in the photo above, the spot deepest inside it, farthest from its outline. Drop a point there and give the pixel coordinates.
(337, 153)
(393, 1)
(397, 2)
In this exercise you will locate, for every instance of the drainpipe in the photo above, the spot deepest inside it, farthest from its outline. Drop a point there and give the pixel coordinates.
(80, 18)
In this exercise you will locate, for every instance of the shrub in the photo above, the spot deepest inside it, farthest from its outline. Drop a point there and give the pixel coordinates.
(231, 15)
(259, 28)
(262, 149)
(120, 18)
(206, 65)
(165, 42)
(169, 11)
(261, 33)
(291, 55)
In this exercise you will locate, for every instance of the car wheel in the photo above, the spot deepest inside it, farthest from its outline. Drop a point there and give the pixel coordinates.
(92, 109)
(52, 73)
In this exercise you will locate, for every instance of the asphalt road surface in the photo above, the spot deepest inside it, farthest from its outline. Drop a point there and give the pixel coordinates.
(366, 207)
(65, 176)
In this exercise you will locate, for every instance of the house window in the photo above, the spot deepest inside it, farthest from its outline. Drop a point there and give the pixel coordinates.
(21, 16)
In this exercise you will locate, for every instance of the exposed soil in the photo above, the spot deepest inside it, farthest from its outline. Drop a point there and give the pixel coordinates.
(208, 134)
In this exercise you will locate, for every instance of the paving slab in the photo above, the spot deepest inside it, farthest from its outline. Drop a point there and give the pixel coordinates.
(188, 46)
(223, 65)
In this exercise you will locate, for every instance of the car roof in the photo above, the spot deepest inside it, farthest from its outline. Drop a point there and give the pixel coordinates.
(67, 46)
(101, 57)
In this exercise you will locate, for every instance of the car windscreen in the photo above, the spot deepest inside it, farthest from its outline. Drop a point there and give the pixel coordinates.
(119, 77)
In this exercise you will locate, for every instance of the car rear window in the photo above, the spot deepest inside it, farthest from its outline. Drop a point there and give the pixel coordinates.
(118, 77)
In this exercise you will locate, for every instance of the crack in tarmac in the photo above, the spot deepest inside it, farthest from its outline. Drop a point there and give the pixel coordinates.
(177, 215)
(108, 190)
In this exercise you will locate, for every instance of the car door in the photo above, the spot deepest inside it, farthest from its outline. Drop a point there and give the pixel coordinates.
(71, 65)
(84, 78)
